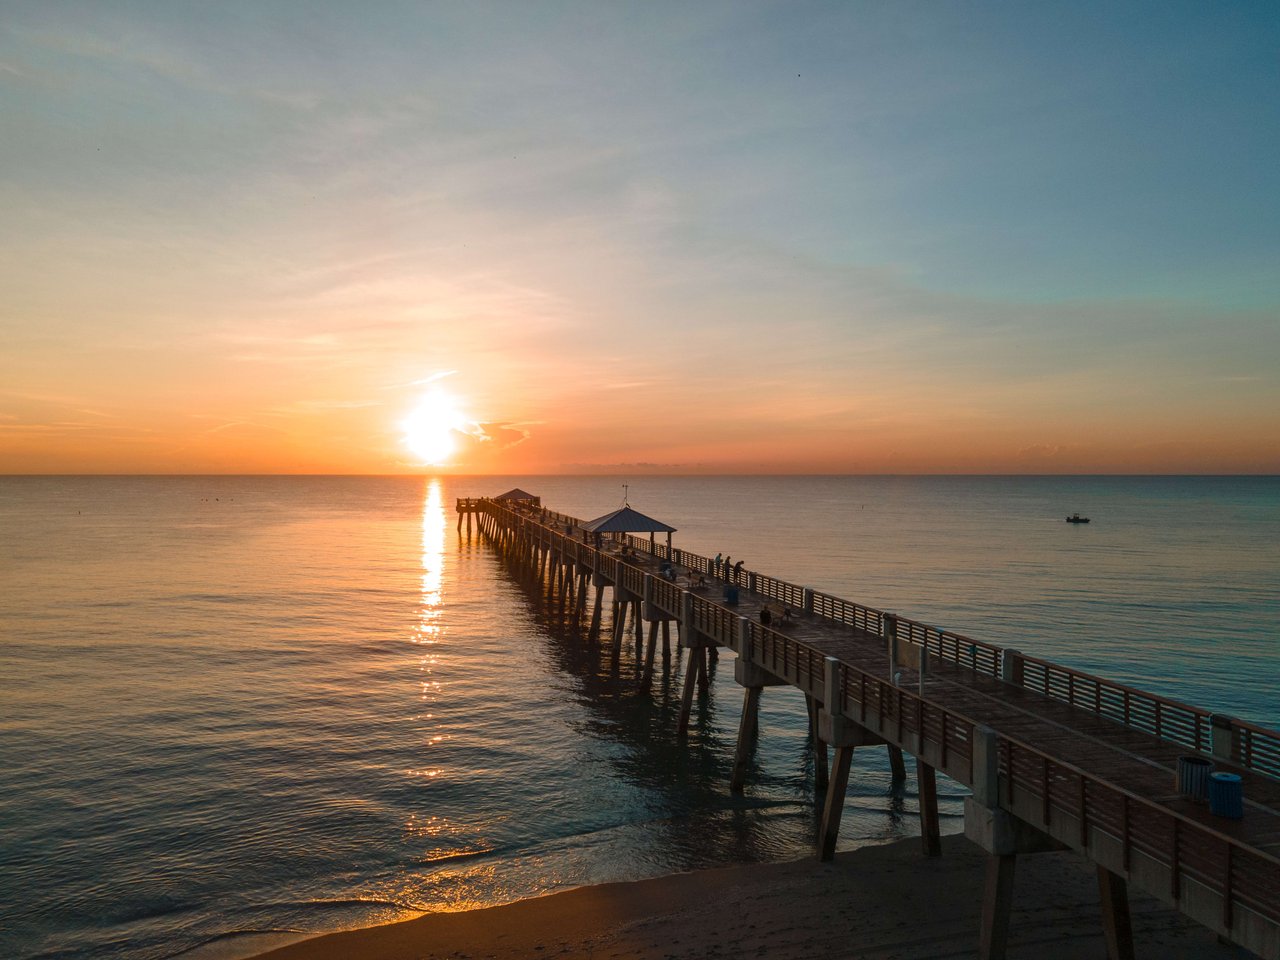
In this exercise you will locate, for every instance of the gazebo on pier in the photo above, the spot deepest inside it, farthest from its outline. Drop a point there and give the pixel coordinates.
(517, 496)
(627, 520)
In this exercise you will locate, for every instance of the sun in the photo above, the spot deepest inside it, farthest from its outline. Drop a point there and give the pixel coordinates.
(431, 428)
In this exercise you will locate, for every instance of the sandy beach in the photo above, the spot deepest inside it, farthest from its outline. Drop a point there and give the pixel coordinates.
(877, 902)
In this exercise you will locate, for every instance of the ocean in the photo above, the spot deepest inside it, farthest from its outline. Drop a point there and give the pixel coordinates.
(241, 708)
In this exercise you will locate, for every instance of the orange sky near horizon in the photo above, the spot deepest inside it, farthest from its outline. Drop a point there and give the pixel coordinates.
(637, 433)
(322, 393)
(854, 240)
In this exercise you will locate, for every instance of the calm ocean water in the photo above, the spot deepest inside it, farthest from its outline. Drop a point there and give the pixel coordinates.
(238, 706)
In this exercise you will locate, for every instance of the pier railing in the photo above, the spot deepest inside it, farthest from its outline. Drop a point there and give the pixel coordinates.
(1097, 816)
(1250, 746)
(1257, 747)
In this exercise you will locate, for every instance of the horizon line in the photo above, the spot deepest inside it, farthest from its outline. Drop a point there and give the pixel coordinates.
(444, 475)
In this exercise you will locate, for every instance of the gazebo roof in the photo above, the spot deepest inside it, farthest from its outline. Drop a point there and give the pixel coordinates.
(627, 520)
(516, 494)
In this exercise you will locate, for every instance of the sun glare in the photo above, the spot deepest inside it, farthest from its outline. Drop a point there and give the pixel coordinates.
(430, 430)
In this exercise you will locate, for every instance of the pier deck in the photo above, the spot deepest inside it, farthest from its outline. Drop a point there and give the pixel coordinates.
(1055, 757)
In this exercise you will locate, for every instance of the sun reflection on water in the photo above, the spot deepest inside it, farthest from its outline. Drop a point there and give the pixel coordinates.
(433, 534)
(428, 629)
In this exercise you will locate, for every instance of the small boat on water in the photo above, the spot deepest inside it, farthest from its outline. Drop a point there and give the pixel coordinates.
(1076, 518)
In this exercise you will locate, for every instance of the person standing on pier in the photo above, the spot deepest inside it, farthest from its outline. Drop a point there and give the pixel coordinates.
(725, 574)
(715, 568)
(737, 571)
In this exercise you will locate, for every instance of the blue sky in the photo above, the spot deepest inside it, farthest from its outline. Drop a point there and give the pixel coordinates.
(870, 236)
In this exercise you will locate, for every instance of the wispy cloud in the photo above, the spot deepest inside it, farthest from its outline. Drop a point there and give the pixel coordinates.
(419, 383)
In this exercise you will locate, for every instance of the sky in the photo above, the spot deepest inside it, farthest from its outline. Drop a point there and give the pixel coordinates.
(855, 237)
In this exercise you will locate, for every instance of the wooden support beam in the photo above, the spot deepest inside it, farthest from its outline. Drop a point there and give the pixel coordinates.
(619, 625)
(646, 676)
(747, 728)
(821, 773)
(833, 810)
(704, 673)
(930, 834)
(997, 905)
(693, 666)
(897, 764)
(666, 639)
(596, 612)
(1116, 925)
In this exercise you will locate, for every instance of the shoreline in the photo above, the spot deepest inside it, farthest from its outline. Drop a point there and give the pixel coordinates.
(884, 901)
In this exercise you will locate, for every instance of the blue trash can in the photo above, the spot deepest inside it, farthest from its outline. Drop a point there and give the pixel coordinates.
(1226, 796)
(731, 595)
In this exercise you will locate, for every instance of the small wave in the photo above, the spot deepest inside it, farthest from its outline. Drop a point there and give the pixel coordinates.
(230, 598)
(230, 935)
(344, 902)
(459, 855)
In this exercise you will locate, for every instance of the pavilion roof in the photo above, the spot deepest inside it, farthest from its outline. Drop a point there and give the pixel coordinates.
(627, 520)
(516, 494)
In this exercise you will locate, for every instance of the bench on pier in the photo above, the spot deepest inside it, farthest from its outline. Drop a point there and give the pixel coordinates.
(776, 615)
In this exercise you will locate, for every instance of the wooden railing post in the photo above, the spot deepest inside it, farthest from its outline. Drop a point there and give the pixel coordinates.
(986, 767)
(745, 651)
(686, 618)
(924, 669)
(1224, 736)
(831, 698)
(1012, 667)
(890, 633)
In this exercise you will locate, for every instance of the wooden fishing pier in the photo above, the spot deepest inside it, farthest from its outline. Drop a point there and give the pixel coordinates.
(1055, 758)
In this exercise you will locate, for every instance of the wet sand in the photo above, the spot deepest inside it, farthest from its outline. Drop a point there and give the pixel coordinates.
(877, 902)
